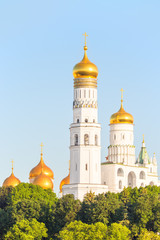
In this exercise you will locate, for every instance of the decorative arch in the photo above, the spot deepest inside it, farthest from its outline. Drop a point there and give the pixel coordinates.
(142, 175)
(76, 139)
(151, 184)
(120, 172)
(86, 139)
(132, 179)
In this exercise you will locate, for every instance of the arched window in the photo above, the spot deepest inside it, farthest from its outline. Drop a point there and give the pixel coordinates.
(77, 120)
(96, 140)
(120, 172)
(142, 175)
(86, 139)
(86, 120)
(76, 139)
(132, 179)
(86, 167)
(120, 184)
(151, 184)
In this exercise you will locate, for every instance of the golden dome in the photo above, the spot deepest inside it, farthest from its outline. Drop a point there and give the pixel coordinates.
(44, 181)
(65, 180)
(85, 68)
(37, 170)
(11, 180)
(121, 116)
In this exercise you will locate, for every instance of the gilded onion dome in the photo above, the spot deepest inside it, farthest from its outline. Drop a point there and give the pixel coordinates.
(121, 116)
(85, 69)
(64, 181)
(37, 170)
(43, 180)
(11, 180)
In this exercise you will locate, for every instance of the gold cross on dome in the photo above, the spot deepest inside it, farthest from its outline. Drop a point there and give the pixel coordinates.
(143, 138)
(41, 147)
(12, 166)
(85, 34)
(122, 94)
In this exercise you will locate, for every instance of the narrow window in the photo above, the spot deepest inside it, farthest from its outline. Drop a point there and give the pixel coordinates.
(86, 139)
(80, 93)
(86, 120)
(114, 136)
(76, 140)
(89, 93)
(76, 166)
(123, 136)
(86, 167)
(76, 93)
(93, 93)
(85, 93)
(94, 120)
(77, 120)
(96, 140)
(120, 184)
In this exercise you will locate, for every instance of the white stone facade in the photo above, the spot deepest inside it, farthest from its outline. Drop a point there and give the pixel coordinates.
(85, 145)
(121, 168)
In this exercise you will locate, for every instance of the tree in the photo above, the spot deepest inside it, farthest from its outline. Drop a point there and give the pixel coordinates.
(66, 212)
(148, 235)
(31, 192)
(77, 230)
(4, 193)
(103, 208)
(118, 232)
(27, 230)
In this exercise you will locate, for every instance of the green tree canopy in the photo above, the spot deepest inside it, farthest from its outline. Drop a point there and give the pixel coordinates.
(77, 230)
(27, 230)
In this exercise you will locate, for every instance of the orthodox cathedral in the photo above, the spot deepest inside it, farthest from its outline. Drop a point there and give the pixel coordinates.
(86, 172)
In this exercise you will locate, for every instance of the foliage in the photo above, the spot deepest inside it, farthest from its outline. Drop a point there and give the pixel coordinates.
(31, 192)
(4, 193)
(66, 211)
(104, 208)
(148, 235)
(78, 230)
(118, 232)
(27, 230)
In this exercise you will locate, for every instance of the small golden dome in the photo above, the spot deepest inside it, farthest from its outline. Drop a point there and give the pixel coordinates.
(44, 181)
(121, 116)
(37, 170)
(11, 180)
(65, 180)
(85, 68)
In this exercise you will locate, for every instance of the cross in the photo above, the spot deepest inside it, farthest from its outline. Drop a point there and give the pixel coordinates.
(41, 147)
(122, 94)
(12, 166)
(143, 138)
(85, 34)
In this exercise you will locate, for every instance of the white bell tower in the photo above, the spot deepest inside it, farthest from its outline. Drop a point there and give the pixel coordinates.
(85, 133)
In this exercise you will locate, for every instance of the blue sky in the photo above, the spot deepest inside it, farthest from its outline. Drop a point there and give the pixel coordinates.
(40, 42)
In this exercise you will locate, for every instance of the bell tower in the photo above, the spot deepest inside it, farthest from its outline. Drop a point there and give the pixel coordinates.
(85, 131)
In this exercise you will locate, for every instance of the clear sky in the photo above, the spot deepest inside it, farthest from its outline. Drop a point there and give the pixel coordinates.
(40, 42)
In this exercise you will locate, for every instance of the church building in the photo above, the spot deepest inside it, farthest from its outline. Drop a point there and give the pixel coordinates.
(121, 168)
